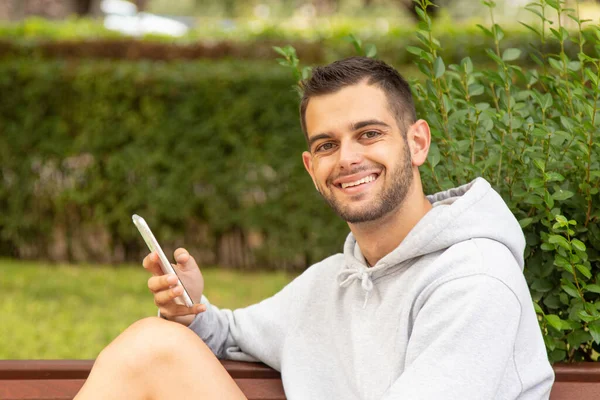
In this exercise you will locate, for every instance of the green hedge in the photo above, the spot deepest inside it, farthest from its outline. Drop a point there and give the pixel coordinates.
(322, 42)
(208, 153)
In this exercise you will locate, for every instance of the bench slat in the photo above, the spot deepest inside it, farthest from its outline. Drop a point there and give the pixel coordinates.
(80, 369)
(61, 379)
(43, 389)
(65, 389)
(575, 391)
(578, 372)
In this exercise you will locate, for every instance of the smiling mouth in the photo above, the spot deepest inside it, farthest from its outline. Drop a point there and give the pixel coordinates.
(362, 181)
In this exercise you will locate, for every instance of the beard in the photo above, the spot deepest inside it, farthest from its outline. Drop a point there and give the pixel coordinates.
(391, 197)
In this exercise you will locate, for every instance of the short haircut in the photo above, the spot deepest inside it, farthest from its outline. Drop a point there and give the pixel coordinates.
(331, 78)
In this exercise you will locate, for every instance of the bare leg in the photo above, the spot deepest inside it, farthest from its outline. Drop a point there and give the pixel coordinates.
(157, 359)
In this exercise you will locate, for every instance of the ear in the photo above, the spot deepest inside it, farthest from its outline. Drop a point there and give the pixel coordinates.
(307, 160)
(419, 140)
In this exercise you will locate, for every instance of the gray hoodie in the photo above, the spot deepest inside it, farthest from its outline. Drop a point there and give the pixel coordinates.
(446, 315)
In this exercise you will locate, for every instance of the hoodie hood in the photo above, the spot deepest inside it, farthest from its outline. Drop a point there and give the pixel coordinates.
(474, 210)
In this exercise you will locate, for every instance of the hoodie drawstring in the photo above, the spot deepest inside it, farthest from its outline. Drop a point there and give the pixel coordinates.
(347, 277)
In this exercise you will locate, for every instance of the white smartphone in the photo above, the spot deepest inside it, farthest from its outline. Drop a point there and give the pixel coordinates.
(165, 265)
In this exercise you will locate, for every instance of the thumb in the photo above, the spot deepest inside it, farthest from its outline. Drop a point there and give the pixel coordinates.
(185, 262)
(189, 273)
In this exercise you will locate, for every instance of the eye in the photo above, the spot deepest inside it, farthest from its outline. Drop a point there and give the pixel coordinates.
(371, 134)
(324, 147)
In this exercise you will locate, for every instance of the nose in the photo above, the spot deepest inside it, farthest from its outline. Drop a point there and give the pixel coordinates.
(350, 155)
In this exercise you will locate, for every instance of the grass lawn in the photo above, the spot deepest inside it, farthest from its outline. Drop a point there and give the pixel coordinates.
(62, 311)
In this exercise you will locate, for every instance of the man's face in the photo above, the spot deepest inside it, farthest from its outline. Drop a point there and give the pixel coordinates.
(358, 157)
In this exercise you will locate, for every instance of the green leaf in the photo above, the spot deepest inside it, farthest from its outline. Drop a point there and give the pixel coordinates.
(486, 31)
(540, 164)
(562, 195)
(434, 156)
(547, 101)
(592, 76)
(306, 72)
(562, 220)
(467, 65)
(476, 89)
(511, 54)
(439, 68)
(559, 240)
(548, 199)
(534, 199)
(578, 244)
(535, 183)
(567, 123)
(585, 316)
(499, 32)
(584, 270)
(547, 247)
(525, 222)
(593, 288)
(554, 176)
(356, 42)
(537, 308)
(554, 4)
(557, 355)
(574, 66)
(578, 337)
(562, 262)
(493, 56)
(572, 292)
(556, 34)
(564, 34)
(531, 28)
(417, 51)
(280, 51)
(554, 321)
(554, 63)
(370, 50)
(595, 332)
(485, 106)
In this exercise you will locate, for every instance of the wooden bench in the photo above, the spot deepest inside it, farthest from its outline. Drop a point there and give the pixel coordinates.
(61, 379)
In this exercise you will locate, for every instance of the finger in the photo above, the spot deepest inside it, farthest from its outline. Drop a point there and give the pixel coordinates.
(185, 262)
(152, 264)
(177, 310)
(163, 282)
(167, 296)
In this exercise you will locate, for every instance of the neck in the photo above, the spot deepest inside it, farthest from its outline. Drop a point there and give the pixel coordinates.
(379, 238)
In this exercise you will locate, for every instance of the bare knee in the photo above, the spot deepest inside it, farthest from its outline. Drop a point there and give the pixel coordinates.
(150, 342)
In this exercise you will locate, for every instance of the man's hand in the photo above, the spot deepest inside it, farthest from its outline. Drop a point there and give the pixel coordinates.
(165, 287)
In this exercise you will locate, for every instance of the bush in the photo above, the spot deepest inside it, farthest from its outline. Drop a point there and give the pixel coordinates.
(323, 41)
(533, 133)
(208, 153)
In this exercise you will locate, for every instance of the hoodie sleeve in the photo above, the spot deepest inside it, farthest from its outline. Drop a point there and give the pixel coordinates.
(256, 332)
(462, 340)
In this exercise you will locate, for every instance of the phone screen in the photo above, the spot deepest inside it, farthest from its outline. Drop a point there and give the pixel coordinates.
(166, 266)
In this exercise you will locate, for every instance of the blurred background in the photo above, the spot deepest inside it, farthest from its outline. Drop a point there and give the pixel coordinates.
(176, 110)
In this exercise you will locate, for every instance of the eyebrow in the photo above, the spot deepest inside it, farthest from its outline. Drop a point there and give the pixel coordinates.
(354, 127)
(320, 136)
(361, 124)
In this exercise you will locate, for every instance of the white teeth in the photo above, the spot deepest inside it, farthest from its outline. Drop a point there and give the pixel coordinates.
(366, 179)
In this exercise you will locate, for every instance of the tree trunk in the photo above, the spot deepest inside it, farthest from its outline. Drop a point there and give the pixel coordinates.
(141, 4)
(90, 8)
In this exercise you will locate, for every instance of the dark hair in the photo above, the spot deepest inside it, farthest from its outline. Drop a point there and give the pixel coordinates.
(350, 71)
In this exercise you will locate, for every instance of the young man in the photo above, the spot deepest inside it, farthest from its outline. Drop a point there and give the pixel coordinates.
(427, 301)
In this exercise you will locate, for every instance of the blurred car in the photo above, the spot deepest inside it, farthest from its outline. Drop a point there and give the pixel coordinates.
(123, 16)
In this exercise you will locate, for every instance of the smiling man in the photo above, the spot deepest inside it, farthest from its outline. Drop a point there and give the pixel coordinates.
(427, 301)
